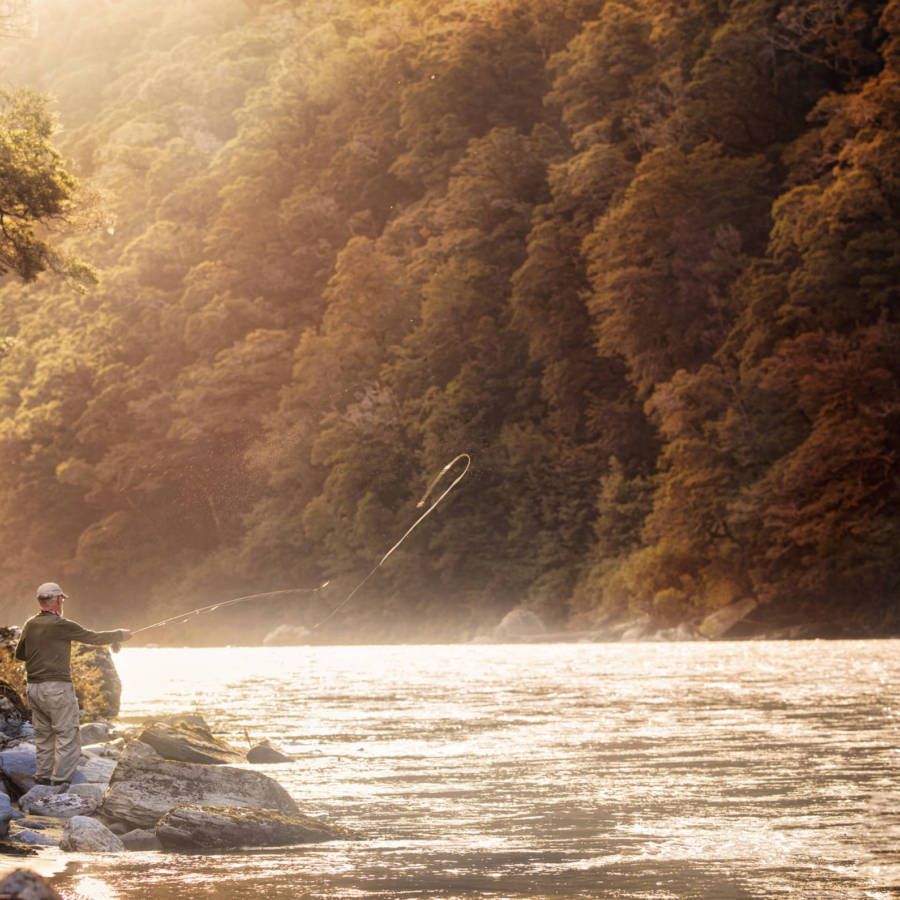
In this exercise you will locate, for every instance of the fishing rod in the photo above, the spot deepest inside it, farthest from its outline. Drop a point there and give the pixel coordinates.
(181, 618)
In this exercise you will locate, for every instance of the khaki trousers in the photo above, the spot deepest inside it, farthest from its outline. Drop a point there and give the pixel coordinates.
(54, 715)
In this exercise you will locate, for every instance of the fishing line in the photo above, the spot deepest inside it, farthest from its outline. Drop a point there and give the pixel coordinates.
(411, 528)
(181, 618)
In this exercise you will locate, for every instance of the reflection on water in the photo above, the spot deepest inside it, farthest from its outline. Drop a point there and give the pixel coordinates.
(720, 771)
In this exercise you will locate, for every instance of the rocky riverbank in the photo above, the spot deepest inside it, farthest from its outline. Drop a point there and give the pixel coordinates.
(167, 784)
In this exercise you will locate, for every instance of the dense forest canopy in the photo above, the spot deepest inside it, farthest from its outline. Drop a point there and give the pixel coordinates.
(640, 258)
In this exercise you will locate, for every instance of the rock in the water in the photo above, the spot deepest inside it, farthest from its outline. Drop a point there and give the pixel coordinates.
(179, 718)
(8, 848)
(47, 800)
(719, 623)
(25, 885)
(519, 623)
(267, 752)
(141, 839)
(287, 636)
(96, 681)
(85, 835)
(183, 742)
(144, 787)
(219, 828)
(35, 838)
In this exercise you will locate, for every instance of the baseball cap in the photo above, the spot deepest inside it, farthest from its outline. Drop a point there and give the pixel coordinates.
(51, 589)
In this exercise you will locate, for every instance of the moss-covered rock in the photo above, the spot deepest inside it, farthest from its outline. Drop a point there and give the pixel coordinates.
(97, 683)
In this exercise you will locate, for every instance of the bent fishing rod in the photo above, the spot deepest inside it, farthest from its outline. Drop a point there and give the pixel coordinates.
(181, 618)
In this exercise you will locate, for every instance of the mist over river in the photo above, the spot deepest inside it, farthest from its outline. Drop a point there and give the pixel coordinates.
(692, 770)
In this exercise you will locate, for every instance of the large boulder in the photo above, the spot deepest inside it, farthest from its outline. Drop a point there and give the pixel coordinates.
(96, 681)
(144, 787)
(186, 742)
(221, 828)
(85, 835)
(23, 884)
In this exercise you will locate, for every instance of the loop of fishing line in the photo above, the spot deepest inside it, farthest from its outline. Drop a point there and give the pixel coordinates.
(183, 617)
(411, 528)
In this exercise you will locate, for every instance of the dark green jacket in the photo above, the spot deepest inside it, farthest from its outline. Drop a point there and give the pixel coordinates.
(46, 645)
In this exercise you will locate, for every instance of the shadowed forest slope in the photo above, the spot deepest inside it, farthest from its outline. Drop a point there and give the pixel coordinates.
(640, 259)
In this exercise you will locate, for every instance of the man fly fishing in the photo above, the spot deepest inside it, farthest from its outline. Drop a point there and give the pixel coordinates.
(46, 649)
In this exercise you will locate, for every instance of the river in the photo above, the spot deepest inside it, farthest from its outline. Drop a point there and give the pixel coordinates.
(720, 771)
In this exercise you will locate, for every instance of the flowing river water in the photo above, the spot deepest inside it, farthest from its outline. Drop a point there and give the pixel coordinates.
(720, 771)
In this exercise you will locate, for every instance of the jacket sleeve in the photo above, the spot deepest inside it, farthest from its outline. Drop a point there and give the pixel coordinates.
(20, 648)
(75, 632)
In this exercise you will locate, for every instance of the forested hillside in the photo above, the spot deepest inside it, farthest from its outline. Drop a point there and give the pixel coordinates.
(639, 258)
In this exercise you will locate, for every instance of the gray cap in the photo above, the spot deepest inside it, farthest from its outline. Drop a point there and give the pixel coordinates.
(50, 589)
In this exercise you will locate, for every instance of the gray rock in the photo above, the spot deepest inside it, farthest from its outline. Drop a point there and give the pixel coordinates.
(144, 787)
(519, 623)
(6, 814)
(44, 800)
(107, 750)
(94, 770)
(141, 839)
(94, 733)
(23, 884)
(267, 752)
(184, 742)
(85, 835)
(637, 631)
(35, 838)
(18, 765)
(719, 623)
(219, 828)
(91, 791)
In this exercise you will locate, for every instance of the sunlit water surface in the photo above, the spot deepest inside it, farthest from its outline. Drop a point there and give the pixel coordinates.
(725, 770)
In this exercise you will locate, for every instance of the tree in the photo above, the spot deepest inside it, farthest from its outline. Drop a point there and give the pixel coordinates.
(36, 190)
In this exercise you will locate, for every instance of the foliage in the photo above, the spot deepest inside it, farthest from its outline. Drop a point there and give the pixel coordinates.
(35, 189)
(639, 259)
